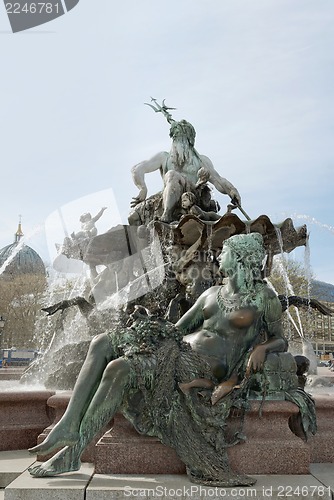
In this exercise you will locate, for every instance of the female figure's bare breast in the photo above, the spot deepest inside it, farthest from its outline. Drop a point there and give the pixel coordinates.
(223, 336)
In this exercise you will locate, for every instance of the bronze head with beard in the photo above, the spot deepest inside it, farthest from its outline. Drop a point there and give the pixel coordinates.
(183, 135)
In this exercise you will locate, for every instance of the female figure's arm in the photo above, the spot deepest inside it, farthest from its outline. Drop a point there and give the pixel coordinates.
(193, 318)
(275, 341)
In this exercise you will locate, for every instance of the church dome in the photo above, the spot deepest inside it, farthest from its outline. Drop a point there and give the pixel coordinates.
(21, 258)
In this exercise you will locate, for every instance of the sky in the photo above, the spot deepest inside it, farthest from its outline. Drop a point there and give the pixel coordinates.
(255, 78)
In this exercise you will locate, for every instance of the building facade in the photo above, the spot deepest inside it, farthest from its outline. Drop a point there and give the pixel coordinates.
(323, 340)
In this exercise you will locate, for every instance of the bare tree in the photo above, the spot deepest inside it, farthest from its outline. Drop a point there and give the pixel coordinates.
(20, 301)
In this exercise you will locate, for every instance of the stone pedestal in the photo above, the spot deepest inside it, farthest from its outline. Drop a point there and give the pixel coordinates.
(271, 447)
(322, 444)
(23, 416)
(123, 451)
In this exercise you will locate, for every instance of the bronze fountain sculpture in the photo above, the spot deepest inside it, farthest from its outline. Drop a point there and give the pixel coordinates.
(178, 359)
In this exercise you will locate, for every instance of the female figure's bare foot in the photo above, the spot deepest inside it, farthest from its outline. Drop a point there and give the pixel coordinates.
(58, 437)
(66, 460)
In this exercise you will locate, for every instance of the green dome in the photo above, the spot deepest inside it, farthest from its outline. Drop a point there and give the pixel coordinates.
(24, 261)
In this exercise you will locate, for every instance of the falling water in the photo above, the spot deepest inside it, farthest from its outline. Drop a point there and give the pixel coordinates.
(314, 221)
(52, 333)
(288, 286)
(42, 331)
(307, 266)
(299, 331)
(16, 386)
(210, 234)
(137, 287)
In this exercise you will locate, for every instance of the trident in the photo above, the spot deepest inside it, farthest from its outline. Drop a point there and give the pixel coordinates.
(161, 109)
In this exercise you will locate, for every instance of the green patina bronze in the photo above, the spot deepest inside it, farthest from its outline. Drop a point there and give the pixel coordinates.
(179, 382)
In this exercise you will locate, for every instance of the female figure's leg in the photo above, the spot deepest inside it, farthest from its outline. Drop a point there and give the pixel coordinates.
(66, 431)
(102, 408)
